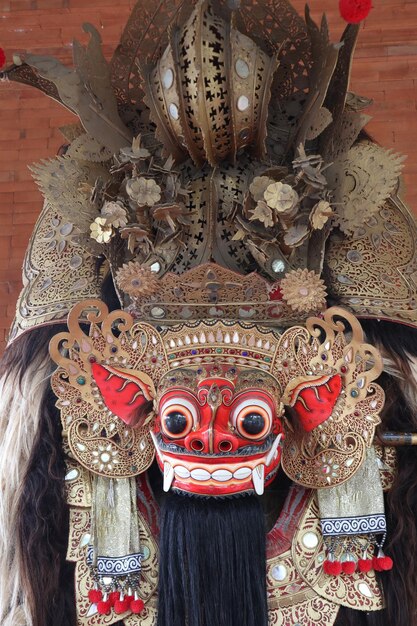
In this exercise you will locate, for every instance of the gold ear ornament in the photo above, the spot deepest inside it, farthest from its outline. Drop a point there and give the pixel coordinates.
(324, 452)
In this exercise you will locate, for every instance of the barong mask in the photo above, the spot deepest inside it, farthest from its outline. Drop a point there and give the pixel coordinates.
(212, 395)
(218, 430)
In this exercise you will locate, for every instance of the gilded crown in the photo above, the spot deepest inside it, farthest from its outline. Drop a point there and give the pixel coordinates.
(184, 242)
(210, 291)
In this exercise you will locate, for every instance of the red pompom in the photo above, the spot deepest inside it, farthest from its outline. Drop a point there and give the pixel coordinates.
(354, 11)
(376, 564)
(95, 595)
(348, 567)
(385, 563)
(332, 568)
(2, 57)
(137, 606)
(114, 596)
(104, 607)
(121, 606)
(365, 565)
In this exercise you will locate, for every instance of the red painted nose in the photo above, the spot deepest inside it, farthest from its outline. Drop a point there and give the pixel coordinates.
(210, 442)
(197, 442)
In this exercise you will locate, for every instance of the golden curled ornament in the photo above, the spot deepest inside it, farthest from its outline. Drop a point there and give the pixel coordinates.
(98, 439)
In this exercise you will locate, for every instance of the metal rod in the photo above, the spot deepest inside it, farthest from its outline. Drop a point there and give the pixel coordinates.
(398, 439)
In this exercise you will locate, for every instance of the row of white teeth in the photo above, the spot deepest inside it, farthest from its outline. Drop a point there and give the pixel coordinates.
(200, 474)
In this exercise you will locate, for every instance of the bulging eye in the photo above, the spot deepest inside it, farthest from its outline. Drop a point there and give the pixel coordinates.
(177, 418)
(175, 422)
(253, 423)
(253, 419)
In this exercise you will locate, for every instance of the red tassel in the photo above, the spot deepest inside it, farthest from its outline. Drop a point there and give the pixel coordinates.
(104, 607)
(332, 568)
(129, 598)
(348, 567)
(114, 596)
(137, 606)
(354, 11)
(95, 595)
(121, 606)
(2, 58)
(365, 565)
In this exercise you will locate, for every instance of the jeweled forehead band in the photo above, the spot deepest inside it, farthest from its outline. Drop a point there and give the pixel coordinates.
(242, 379)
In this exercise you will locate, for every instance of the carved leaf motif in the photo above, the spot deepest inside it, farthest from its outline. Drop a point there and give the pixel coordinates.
(362, 180)
(336, 92)
(28, 75)
(87, 91)
(321, 121)
(87, 148)
(61, 179)
(324, 57)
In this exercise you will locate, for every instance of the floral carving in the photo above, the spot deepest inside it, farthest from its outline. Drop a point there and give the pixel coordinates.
(137, 280)
(320, 214)
(281, 197)
(144, 191)
(115, 214)
(303, 290)
(101, 231)
(258, 187)
(135, 153)
(263, 213)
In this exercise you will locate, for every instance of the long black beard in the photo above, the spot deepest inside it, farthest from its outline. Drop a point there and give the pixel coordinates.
(212, 562)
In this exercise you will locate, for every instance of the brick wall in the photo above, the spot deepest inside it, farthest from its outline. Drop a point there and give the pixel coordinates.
(385, 69)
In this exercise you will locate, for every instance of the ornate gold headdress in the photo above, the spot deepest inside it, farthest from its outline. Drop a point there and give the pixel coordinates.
(278, 87)
(213, 225)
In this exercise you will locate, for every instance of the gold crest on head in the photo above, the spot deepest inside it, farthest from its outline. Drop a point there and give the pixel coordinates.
(214, 292)
(209, 92)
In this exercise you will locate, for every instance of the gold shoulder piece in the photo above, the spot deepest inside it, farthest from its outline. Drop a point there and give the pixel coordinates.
(374, 271)
(57, 273)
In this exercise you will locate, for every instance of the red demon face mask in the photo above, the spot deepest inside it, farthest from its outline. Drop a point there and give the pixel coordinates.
(218, 430)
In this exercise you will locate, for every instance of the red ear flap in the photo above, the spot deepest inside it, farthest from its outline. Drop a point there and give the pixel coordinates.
(124, 392)
(314, 400)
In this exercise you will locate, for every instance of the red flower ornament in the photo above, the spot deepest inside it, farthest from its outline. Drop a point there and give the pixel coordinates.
(275, 292)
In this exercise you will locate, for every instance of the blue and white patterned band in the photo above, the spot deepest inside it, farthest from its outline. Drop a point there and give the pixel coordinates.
(360, 525)
(116, 566)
